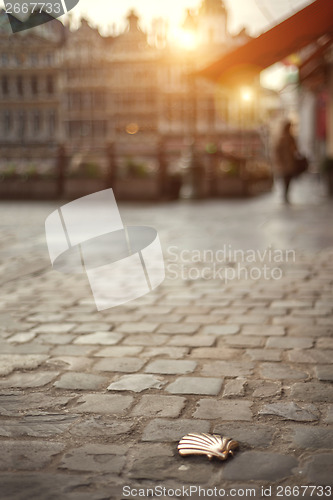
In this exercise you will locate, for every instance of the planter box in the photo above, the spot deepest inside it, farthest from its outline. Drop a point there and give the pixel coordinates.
(137, 189)
(31, 189)
(230, 186)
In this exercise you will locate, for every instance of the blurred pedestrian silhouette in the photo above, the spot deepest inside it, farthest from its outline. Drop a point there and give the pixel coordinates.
(285, 154)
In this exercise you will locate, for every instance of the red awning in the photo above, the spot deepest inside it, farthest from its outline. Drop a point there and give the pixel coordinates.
(299, 30)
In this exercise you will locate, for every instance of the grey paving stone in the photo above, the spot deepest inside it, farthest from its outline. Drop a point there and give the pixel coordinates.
(265, 389)
(329, 415)
(318, 470)
(224, 353)
(235, 388)
(24, 380)
(72, 350)
(178, 328)
(110, 404)
(324, 372)
(260, 466)
(159, 406)
(314, 392)
(226, 410)
(247, 319)
(92, 327)
(15, 403)
(55, 338)
(127, 365)
(310, 356)
(27, 348)
(243, 341)
(171, 352)
(146, 340)
(42, 486)
(192, 341)
(54, 328)
(280, 371)
(204, 319)
(95, 458)
(313, 437)
(263, 330)
(291, 411)
(80, 381)
(137, 383)
(103, 338)
(221, 329)
(102, 426)
(254, 436)
(325, 343)
(137, 327)
(309, 331)
(11, 362)
(264, 354)
(171, 366)
(28, 455)
(37, 425)
(228, 368)
(20, 338)
(73, 363)
(292, 304)
(163, 318)
(290, 342)
(195, 385)
(172, 430)
(118, 351)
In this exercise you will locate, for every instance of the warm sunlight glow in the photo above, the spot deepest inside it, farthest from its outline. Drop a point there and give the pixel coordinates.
(185, 38)
(246, 94)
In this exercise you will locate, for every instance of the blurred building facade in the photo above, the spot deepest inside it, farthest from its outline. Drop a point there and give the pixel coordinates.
(87, 92)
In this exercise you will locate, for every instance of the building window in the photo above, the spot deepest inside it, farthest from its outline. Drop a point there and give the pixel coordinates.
(4, 85)
(22, 124)
(7, 122)
(36, 122)
(34, 85)
(49, 59)
(52, 123)
(19, 85)
(4, 59)
(34, 59)
(49, 84)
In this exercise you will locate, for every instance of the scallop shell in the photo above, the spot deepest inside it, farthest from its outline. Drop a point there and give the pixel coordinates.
(211, 445)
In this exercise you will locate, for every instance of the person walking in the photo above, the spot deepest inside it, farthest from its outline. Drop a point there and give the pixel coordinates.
(285, 154)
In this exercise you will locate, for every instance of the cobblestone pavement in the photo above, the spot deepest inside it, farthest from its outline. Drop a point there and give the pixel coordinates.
(93, 402)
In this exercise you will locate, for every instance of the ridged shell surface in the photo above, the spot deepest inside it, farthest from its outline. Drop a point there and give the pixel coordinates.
(210, 445)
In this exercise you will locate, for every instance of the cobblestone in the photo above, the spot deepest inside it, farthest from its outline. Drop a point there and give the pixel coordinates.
(32, 455)
(80, 381)
(90, 401)
(24, 380)
(103, 404)
(93, 457)
(228, 410)
(136, 383)
(281, 371)
(159, 406)
(319, 470)
(172, 430)
(195, 385)
(312, 391)
(313, 437)
(171, 366)
(291, 411)
(260, 466)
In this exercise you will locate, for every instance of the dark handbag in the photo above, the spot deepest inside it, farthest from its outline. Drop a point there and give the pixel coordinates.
(301, 165)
